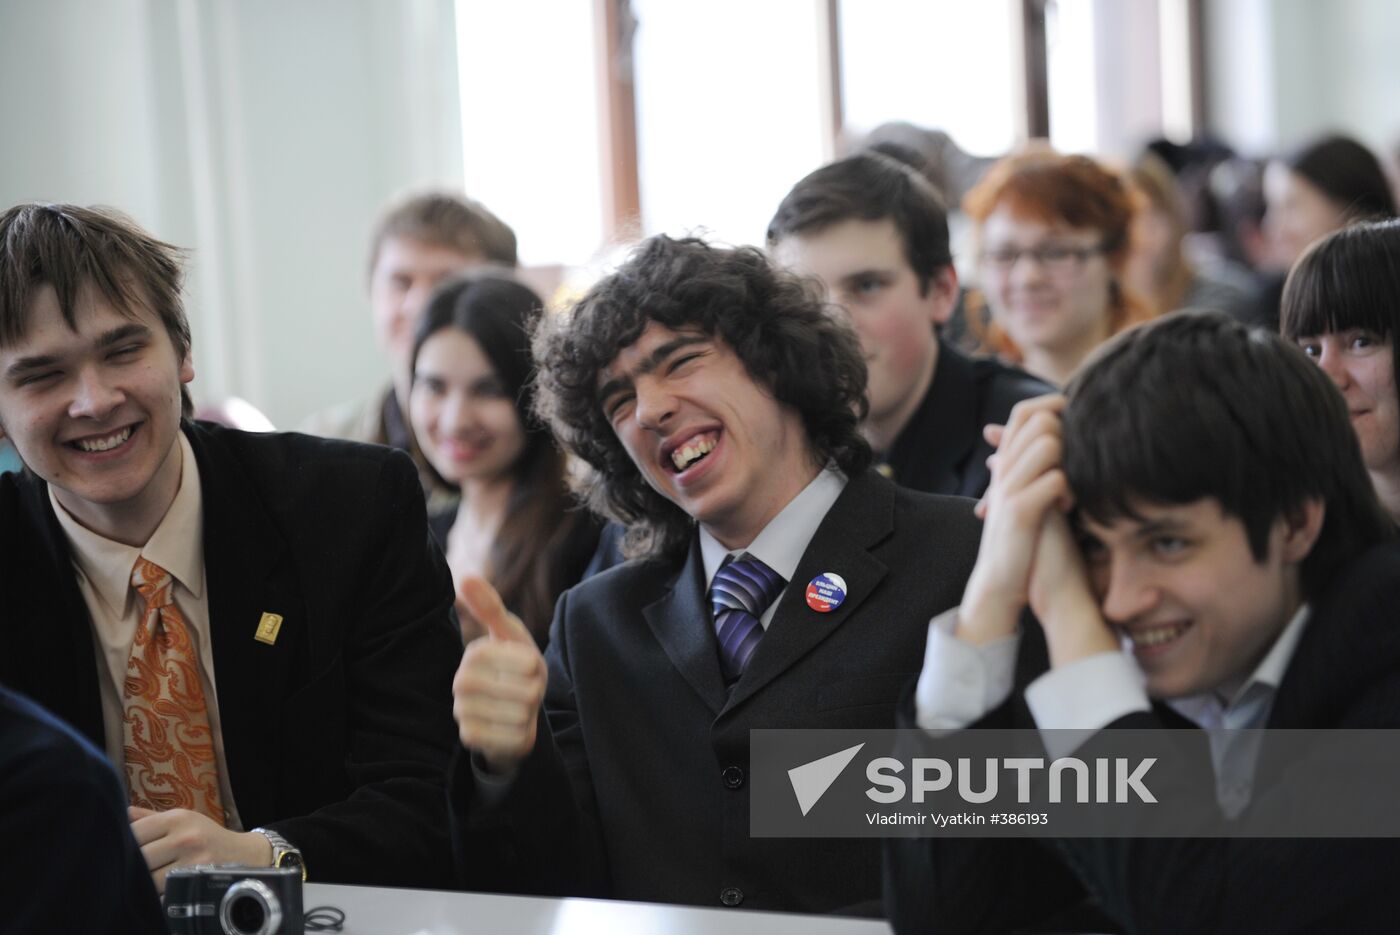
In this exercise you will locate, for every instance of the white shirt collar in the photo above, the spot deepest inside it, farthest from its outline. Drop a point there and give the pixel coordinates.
(177, 545)
(1211, 709)
(781, 544)
(1271, 668)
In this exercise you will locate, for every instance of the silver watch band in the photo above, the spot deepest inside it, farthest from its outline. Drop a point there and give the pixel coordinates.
(284, 852)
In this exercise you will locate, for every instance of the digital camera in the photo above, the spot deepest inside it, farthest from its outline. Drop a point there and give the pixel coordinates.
(234, 900)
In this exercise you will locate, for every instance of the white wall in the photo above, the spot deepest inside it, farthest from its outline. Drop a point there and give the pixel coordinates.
(1129, 66)
(1282, 71)
(265, 135)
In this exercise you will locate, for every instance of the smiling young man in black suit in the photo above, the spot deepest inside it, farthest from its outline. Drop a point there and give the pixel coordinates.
(874, 233)
(1226, 564)
(253, 627)
(717, 401)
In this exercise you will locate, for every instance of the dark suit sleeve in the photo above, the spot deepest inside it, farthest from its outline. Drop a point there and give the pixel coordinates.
(400, 651)
(542, 837)
(74, 866)
(957, 885)
(1342, 675)
(1239, 885)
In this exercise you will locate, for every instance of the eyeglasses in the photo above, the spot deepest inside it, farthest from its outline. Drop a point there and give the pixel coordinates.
(1053, 258)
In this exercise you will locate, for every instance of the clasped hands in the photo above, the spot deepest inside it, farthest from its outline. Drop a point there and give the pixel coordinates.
(1028, 555)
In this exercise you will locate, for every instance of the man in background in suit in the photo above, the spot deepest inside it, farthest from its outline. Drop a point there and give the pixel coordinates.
(254, 627)
(875, 233)
(62, 807)
(1233, 569)
(417, 244)
(717, 402)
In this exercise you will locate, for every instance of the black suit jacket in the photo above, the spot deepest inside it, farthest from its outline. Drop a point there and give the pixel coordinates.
(637, 786)
(1345, 673)
(73, 866)
(337, 735)
(941, 448)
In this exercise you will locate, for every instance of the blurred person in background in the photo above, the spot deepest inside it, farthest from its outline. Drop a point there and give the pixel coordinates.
(1158, 268)
(1342, 306)
(1318, 188)
(874, 235)
(1325, 185)
(1054, 234)
(952, 171)
(515, 524)
(417, 244)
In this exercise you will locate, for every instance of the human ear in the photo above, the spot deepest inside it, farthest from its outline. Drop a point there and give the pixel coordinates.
(942, 294)
(1301, 527)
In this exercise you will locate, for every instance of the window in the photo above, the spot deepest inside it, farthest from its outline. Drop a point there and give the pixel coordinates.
(728, 112)
(530, 124)
(942, 64)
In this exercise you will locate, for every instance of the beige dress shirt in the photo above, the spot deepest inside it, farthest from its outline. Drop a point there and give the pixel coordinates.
(104, 577)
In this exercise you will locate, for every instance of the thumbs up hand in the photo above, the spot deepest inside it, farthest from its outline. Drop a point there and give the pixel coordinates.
(500, 684)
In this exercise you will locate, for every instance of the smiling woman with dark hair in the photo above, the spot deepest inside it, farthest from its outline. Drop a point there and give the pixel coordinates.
(516, 523)
(1341, 304)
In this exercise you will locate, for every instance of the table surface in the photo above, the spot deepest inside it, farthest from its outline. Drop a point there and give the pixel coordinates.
(373, 910)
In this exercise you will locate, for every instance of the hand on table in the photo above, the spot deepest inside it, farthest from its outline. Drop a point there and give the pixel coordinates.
(183, 838)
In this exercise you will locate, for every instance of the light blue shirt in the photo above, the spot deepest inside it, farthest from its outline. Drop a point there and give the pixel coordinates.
(960, 683)
(9, 458)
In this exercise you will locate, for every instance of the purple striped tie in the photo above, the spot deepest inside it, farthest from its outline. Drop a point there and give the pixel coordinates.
(741, 592)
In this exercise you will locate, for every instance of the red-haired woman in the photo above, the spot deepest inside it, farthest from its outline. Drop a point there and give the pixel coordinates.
(1053, 233)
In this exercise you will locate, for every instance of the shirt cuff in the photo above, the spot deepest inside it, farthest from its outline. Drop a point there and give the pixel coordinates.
(491, 788)
(1072, 702)
(960, 682)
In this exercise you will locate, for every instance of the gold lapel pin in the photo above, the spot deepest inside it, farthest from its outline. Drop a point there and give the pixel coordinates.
(268, 628)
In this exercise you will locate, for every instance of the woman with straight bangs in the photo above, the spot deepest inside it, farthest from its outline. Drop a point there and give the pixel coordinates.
(516, 524)
(1341, 304)
(1054, 236)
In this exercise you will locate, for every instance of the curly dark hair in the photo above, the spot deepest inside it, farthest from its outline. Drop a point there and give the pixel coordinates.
(804, 353)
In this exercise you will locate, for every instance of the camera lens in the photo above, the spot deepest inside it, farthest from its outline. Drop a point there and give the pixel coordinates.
(250, 908)
(247, 915)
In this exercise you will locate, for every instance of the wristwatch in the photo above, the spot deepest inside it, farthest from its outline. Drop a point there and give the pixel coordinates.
(284, 852)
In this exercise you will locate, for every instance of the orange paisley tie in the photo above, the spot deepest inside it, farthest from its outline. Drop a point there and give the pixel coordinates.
(169, 745)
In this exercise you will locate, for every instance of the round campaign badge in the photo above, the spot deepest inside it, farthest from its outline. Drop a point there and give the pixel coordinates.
(825, 592)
